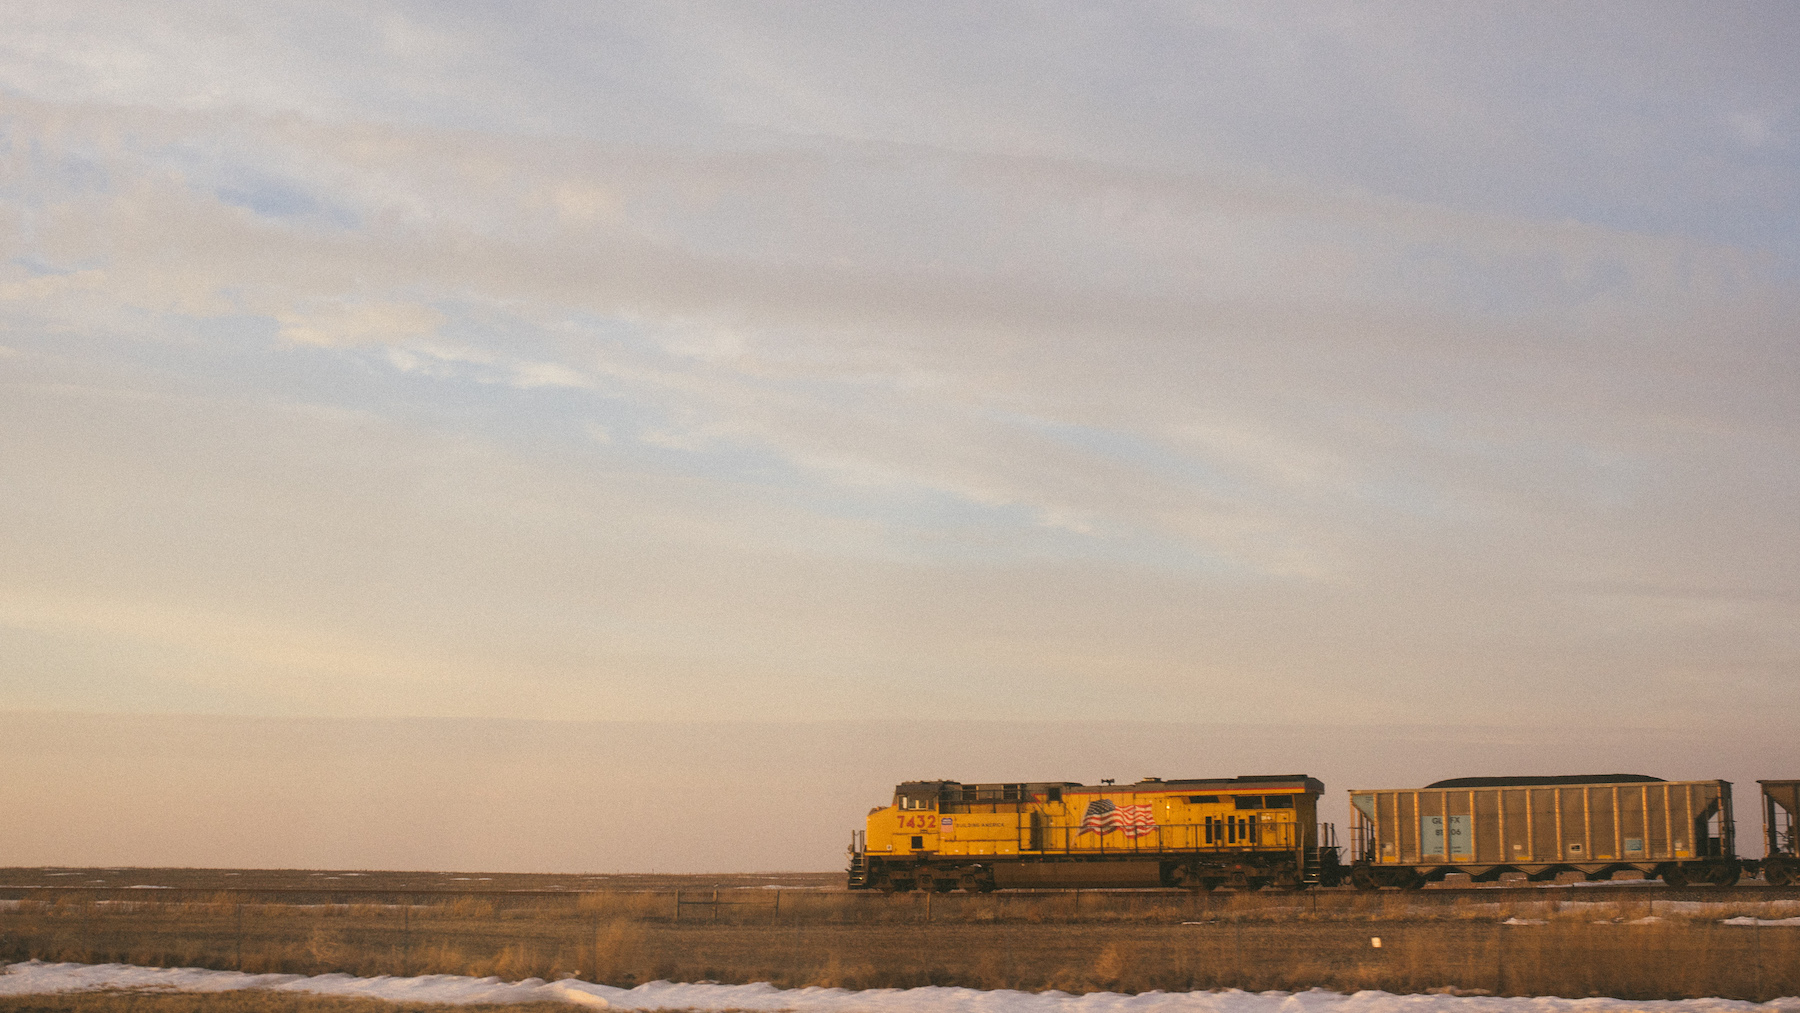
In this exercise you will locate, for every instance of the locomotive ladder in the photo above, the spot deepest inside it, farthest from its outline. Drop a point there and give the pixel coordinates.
(1316, 857)
(859, 861)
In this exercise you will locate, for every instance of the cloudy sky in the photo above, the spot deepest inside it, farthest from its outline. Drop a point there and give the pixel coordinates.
(1330, 365)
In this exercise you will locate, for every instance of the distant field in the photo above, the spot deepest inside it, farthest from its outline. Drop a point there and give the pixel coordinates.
(804, 929)
(355, 880)
(245, 1002)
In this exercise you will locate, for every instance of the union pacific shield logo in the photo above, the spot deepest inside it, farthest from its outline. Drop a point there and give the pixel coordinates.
(1104, 817)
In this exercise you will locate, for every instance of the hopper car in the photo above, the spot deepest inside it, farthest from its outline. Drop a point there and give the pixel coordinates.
(1781, 852)
(1595, 825)
(1263, 831)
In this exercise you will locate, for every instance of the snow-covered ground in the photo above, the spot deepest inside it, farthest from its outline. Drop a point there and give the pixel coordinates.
(38, 978)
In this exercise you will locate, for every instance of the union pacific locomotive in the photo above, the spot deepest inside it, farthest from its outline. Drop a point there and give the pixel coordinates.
(1252, 832)
(1239, 831)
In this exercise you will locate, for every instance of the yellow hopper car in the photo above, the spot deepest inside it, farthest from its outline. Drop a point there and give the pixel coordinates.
(1594, 826)
(1200, 834)
(1781, 849)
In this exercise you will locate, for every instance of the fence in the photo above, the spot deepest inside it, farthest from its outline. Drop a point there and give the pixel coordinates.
(1503, 942)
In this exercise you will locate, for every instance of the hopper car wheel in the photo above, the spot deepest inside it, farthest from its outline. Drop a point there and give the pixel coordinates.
(1724, 874)
(1777, 874)
(1675, 876)
(1363, 878)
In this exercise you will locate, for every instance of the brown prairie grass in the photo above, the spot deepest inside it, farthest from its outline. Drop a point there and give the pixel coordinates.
(1091, 941)
(246, 1001)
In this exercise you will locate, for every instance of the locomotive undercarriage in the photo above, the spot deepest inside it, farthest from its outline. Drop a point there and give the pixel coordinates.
(1242, 871)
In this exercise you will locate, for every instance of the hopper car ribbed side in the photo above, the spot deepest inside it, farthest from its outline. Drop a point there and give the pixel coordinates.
(1587, 826)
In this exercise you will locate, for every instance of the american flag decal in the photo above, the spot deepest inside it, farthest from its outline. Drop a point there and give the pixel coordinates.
(1104, 817)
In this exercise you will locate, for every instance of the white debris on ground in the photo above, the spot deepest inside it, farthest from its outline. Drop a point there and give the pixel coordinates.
(36, 978)
(1761, 921)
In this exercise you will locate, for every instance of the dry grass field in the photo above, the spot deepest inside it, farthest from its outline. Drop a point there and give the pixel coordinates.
(1637, 943)
(243, 1002)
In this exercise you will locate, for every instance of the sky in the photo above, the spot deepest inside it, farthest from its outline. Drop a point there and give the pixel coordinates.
(890, 381)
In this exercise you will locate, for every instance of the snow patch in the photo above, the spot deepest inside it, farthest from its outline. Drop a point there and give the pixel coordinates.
(36, 978)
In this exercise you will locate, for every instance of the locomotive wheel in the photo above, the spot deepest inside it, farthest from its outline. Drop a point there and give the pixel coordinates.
(1675, 876)
(884, 883)
(969, 884)
(1777, 874)
(1724, 874)
(1363, 878)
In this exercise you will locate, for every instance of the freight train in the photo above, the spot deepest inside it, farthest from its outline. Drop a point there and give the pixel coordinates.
(1263, 831)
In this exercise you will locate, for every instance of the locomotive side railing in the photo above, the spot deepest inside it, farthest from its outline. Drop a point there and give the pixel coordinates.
(1220, 835)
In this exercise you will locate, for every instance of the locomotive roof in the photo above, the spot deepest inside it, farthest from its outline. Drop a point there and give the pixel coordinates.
(1520, 782)
(1247, 782)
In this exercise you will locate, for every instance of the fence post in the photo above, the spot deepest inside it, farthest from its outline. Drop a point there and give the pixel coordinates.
(778, 906)
(1237, 953)
(1756, 944)
(240, 934)
(678, 905)
(715, 906)
(1500, 962)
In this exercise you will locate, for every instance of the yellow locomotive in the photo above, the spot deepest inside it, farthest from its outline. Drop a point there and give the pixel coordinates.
(1199, 834)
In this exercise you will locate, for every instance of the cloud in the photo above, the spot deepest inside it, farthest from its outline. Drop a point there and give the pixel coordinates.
(1751, 128)
(547, 374)
(349, 363)
(346, 325)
